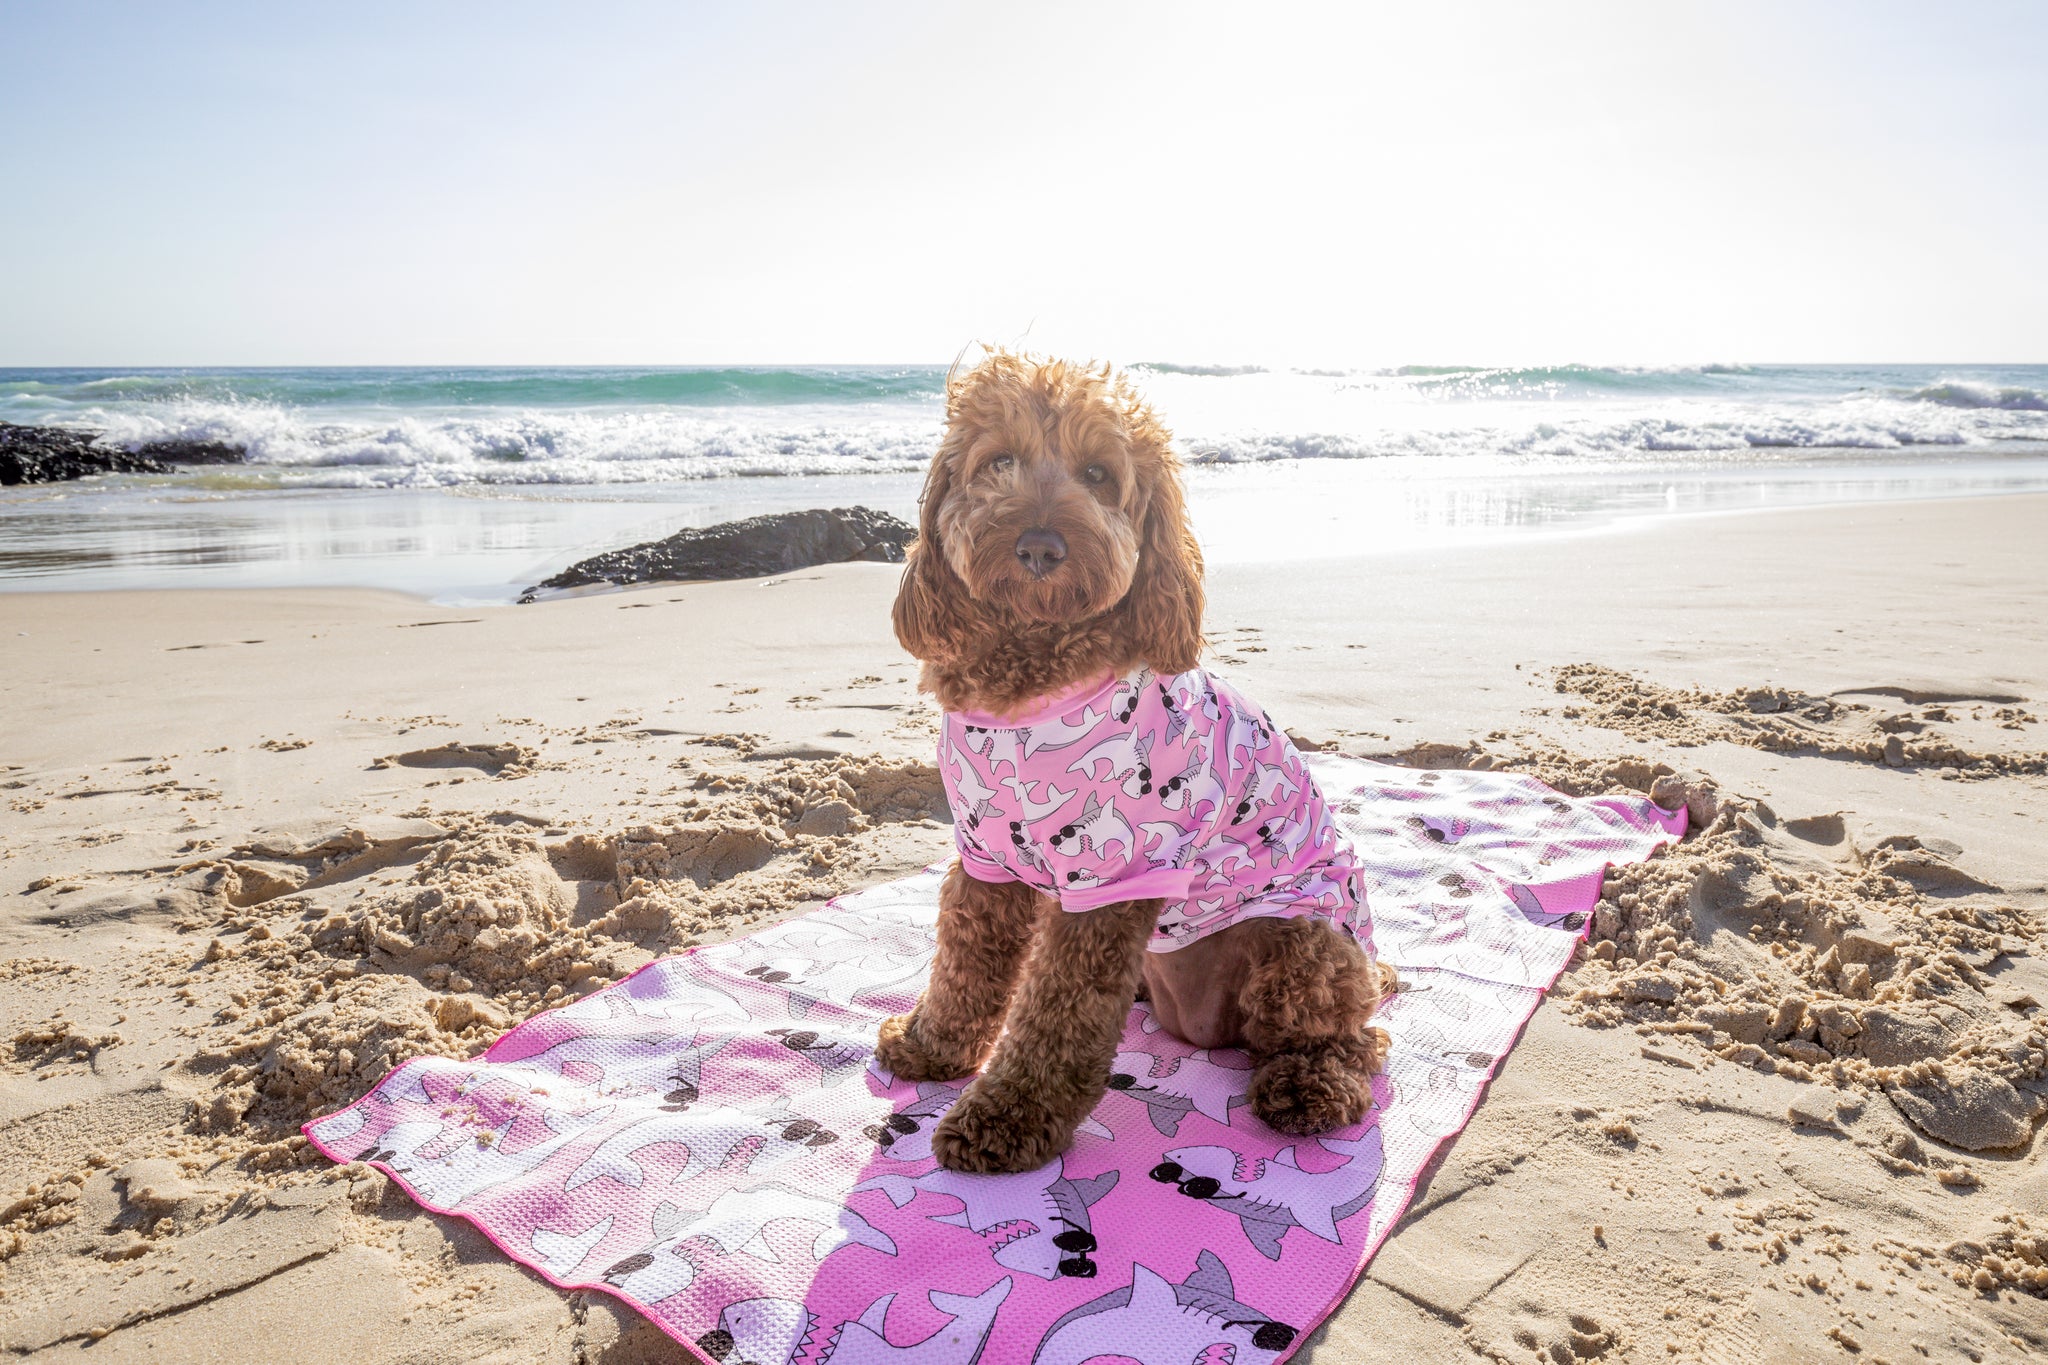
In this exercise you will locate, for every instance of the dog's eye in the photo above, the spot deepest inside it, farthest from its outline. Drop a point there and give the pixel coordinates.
(1003, 464)
(1095, 473)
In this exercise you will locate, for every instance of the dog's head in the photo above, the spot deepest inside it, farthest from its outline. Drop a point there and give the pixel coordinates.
(1054, 500)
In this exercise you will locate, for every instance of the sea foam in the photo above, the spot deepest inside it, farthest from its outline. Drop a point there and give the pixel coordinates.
(442, 428)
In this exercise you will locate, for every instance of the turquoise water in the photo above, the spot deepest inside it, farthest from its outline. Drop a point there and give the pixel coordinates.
(389, 428)
(467, 484)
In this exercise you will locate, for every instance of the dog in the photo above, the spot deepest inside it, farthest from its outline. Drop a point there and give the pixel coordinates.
(1128, 826)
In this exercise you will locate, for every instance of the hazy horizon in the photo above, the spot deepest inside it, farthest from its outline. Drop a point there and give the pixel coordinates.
(1217, 368)
(228, 186)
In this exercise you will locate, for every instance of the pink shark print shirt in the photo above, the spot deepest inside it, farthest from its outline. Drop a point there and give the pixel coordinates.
(1142, 786)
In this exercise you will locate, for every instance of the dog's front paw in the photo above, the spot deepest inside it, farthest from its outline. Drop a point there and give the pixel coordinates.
(998, 1128)
(899, 1052)
(1309, 1092)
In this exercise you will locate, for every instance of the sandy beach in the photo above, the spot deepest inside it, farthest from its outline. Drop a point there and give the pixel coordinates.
(258, 847)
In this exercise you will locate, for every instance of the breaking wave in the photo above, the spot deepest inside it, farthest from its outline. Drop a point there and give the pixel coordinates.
(442, 427)
(1962, 394)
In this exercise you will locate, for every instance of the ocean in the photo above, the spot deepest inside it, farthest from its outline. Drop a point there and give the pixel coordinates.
(464, 484)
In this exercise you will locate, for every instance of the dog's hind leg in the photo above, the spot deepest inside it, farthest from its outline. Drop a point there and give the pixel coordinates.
(984, 928)
(1305, 1002)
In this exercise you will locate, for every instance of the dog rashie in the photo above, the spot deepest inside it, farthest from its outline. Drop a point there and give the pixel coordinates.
(1139, 787)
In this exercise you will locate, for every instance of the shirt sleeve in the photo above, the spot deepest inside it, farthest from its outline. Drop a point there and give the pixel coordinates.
(974, 859)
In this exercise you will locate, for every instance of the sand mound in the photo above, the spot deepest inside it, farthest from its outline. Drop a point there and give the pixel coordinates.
(1956, 734)
(58, 1040)
(1780, 945)
(2013, 1257)
(344, 952)
(334, 953)
(301, 1047)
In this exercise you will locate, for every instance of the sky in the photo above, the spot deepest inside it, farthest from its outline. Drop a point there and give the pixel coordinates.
(1342, 184)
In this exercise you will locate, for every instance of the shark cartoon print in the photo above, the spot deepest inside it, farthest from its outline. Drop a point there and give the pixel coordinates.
(1280, 1196)
(451, 1163)
(761, 1331)
(608, 1063)
(1122, 760)
(734, 1223)
(710, 1132)
(1157, 1323)
(865, 1340)
(1042, 1214)
(1171, 1090)
(827, 963)
(1097, 830)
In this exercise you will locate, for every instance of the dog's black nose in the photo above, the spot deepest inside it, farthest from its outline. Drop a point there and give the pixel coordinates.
(1041, 550)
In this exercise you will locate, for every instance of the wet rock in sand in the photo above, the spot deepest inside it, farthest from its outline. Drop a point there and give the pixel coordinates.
(184, 451)
(753, 548)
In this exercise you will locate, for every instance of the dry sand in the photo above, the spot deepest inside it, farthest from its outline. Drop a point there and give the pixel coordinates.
(259, 847)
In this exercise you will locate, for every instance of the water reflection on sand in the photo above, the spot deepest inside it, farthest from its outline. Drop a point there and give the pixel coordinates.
(483, 545)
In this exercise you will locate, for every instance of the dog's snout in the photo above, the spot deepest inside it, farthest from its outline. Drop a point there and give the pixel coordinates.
(1041, 550)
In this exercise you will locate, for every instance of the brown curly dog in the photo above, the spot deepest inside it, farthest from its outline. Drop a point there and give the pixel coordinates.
(1053, 547)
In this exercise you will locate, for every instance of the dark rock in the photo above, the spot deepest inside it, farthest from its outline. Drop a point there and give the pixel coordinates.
(55, 454)
(193, 452)
(753, 548)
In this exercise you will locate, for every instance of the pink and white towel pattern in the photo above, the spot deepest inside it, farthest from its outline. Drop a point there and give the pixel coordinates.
(710, 1140)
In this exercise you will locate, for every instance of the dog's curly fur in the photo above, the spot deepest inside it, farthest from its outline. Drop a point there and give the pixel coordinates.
(1031, 995)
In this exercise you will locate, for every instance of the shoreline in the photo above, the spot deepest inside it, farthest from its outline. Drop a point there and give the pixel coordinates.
(482, 545)
(215, 800)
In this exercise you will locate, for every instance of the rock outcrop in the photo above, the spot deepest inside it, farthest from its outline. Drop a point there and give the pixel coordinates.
(753, 548)
(55, 454)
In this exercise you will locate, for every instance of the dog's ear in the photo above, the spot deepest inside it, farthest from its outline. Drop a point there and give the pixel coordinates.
(1166, 597)
(927, 614)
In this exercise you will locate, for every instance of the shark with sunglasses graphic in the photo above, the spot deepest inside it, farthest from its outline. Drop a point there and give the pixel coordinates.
(1060, 1235)
(1280, 1196)
(1157, 1323)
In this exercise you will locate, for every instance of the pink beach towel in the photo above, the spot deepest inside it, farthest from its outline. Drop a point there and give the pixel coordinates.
(711, 1141)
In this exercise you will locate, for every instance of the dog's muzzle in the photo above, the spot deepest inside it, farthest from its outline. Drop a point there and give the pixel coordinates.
(1041, 550)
